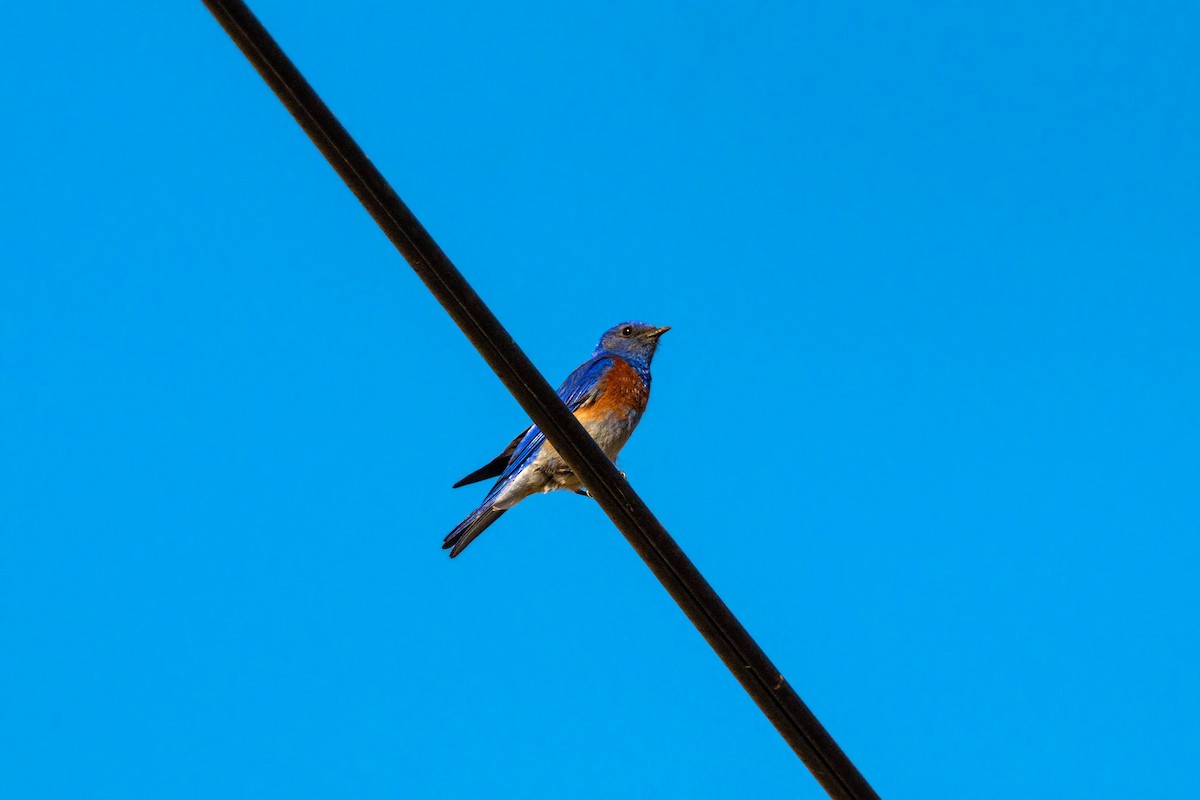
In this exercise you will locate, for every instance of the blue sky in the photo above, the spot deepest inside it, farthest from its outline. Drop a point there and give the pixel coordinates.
(926, 419)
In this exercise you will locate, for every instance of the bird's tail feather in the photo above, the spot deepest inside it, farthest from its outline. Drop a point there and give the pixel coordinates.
(465, 532)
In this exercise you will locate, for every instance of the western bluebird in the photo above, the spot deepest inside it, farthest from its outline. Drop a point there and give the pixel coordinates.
(607, 394)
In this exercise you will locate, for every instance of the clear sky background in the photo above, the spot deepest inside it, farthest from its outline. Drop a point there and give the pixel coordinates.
(927, 418)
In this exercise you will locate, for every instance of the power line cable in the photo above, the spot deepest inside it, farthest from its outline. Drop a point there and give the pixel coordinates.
(741, 654)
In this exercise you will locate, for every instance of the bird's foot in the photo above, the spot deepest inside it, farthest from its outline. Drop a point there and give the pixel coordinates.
(583, 492)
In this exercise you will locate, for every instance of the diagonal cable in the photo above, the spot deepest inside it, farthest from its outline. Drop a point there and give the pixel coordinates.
(741, 654)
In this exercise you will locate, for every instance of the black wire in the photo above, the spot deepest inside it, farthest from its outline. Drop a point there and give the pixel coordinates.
(741, 654)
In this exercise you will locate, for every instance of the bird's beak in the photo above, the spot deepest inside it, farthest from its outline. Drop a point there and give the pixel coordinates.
(657, 332)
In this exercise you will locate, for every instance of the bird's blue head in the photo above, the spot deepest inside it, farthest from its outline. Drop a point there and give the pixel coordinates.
(633, 341)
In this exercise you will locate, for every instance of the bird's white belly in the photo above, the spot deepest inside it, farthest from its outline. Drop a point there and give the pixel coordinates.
(548, 472)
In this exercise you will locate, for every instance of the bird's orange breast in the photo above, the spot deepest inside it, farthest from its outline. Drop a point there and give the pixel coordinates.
(622, 391)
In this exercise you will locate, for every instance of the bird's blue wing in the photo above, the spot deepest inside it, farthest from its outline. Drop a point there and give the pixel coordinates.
(581, 388)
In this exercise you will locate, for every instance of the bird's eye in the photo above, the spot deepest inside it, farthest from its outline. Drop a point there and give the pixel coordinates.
(627, 330)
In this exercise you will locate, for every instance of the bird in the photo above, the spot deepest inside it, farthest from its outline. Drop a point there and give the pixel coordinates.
(607, 394)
